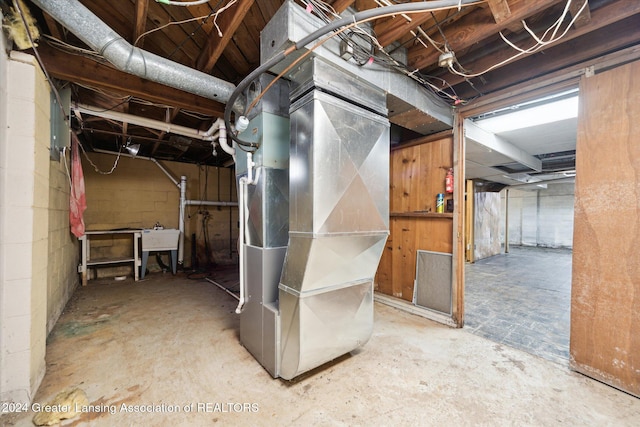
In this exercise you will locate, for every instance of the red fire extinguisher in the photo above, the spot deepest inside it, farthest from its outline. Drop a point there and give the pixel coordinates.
(448, 181)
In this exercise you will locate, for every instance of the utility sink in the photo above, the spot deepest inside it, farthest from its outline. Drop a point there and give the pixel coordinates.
(159, 240)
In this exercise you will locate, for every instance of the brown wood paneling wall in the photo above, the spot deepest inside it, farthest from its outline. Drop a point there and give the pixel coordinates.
(605, 304)
(417, 176)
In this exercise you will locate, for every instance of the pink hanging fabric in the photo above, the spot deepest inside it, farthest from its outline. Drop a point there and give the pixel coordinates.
(77, 199)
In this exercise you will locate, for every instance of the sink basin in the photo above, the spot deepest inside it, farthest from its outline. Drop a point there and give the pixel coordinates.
(160, 240)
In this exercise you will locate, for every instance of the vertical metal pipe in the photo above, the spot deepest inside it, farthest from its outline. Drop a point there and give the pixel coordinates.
(506, 223)
(183, 197)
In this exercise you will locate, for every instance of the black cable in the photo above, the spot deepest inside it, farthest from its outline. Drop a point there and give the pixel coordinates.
(333, 26)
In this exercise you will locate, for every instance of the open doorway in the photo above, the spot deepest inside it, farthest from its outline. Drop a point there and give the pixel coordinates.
(520, 170)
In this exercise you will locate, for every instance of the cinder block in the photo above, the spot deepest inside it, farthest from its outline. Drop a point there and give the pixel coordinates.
(16, 330)
(19, 191)
(41, 191)
(40, 253)
(17, 377)
(20, 153)
(42, 130)
(16, 298)
(21, 80)
(18, 261)
(19, 225)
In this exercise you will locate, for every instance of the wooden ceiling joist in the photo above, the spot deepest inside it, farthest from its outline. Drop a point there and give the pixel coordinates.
(78, 69)
(500, 10)
(610, 15)
(142, 7)
(228, 21)
(341, 5)
(475, 27)
(585, 15)
(54, 28)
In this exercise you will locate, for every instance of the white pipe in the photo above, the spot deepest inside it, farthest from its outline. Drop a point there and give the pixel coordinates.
(183, 197)
(222, 140)
(214, 127)
(209, 203)
(145, 122)
(222, 287)
(244, 218)
(243, 203)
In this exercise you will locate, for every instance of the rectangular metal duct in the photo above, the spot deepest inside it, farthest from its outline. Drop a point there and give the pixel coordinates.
(267, 225)
(339, 218)
(311, 301)
(413, 106)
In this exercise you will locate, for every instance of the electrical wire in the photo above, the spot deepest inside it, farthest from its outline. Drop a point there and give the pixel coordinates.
(539, 42)
(97, 169)
(193, 33)
(65, 116)
(66, 165)
(344, 23)
(215, 15)
(74, 50)
(184, 21)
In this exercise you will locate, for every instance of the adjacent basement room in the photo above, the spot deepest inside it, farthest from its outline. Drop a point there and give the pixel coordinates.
(306, 212)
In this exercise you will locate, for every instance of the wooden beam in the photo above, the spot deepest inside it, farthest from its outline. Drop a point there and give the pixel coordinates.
(341, 5)
(228, 21)
(54, 28)
(622, 19)
(79, 69)
(365, 5)
(585, 15)
(458, 231)
(142, 6)
(475, 27)
(500, 10)
(392, 29)
(169, 118)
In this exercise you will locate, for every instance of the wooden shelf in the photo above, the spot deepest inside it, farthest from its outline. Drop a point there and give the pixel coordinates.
(421, 215)
(104, 261)
(85, 259)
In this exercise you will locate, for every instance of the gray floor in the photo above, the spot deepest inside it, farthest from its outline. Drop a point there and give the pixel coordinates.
(138, 349)
(522, 299)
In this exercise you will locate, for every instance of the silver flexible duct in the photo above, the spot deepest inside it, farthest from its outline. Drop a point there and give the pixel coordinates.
(130, 59)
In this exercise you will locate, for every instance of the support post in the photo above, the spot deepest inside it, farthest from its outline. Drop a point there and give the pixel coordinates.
(506, 223)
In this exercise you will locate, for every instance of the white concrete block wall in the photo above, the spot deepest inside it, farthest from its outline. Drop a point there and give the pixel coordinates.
(38, 258)
(540, 217)
(22, 363)
(64, 250)
(137, 195)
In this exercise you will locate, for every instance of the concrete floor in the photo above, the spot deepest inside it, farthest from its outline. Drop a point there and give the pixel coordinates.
(522, 299)
(174, 341)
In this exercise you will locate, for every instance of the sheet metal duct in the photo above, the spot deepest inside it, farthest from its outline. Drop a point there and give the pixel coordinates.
(267, 227)
(100, 37)
(339, 218)
(309, 279)
(411, 103)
